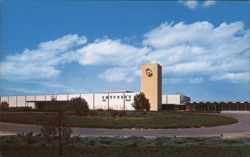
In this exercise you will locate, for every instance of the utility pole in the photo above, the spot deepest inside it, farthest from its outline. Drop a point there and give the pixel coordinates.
(60, 125)
(59, 113)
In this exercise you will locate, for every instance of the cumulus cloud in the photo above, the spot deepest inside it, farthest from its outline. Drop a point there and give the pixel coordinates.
(118, 74)
(195, 50)
(196, 80)
(174, 80)
(191, 4)
(111, 52)
(126, 58)
(199, 47)
(209, 3)
(202, 33)
(233, 77)
(64, 43)
(43, 61)
(179, 80)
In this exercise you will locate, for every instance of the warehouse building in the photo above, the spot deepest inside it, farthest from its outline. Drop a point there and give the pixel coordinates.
(151, 86)
(217, 106)
(175, 101)
(122, 101)
(104, 100)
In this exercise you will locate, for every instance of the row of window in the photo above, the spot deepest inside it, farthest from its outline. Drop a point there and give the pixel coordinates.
(125, 100)
(117, 97)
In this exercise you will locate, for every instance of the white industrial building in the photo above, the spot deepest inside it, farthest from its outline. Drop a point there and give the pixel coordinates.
(151, 86)
(103, 100)
(175, 99)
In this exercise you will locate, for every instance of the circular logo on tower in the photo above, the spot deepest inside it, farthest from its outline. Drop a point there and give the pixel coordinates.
(149, 72)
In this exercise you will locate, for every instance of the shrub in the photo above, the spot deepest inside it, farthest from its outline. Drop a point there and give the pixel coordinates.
(49, 132)
(79, 105)
(116, 113)
(66, 133)
(51, 126)
(141, 103)
(21, 108)
(4, 106)
(93, 113)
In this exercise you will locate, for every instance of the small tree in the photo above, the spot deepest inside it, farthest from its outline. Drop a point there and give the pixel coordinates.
(79, 105)
(49, 131)
(141, 103)
(54, 125)
(4, 106)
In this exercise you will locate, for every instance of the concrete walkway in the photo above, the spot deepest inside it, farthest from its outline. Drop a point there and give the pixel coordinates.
(239, 129)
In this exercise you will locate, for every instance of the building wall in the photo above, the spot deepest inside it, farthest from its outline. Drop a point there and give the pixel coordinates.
(12, 101)
(110, 100)
(164, 99)
(88, 97)
(174, 99)
(151, 84)
(62, 97)
(4, 98)
(106, 100)
(20, 100)
(15, 101)
(114, 100)
(101, 101)
(28, 99)
(217, 106)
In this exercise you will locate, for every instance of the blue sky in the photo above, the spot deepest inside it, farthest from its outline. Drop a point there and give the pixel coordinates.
(82, 46)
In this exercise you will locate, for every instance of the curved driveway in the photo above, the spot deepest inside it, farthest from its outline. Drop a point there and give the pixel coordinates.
(238, 129)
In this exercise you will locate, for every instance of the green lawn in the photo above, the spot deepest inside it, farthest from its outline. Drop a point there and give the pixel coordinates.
(35, 146)
(102, 119)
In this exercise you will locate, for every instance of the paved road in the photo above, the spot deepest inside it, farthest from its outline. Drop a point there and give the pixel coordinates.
(238, 129)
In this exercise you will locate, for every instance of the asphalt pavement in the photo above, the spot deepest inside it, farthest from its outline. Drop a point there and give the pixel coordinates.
(238, 129)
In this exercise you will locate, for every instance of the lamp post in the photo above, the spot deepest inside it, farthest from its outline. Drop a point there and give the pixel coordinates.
(53, 98)
(60, 125)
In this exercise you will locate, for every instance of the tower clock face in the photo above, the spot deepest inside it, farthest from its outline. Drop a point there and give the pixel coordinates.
(149, 72)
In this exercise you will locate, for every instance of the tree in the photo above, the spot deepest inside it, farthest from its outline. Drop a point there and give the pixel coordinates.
(79, 105)
(4, 106)
(141, 103)
(54, 125)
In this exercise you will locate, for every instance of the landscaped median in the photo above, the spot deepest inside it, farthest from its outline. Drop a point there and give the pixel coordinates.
(122, 119)
(36, 146)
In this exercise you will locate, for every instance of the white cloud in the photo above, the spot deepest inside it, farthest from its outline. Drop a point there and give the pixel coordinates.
(198, 49)
(201, 33)
(209, 3)
(191, 4)
(125, 58)
(178, 80)
(64, 43)
(111, 52)
(25, 90)
(118, 74)
(188, 67)
(41, 62)
(196, 80)
(234, 77)
(174, 80)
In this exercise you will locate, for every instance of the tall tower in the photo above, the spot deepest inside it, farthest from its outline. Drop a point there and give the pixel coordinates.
(151, 85)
